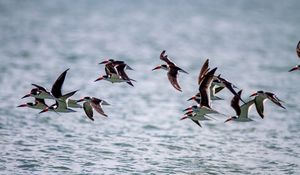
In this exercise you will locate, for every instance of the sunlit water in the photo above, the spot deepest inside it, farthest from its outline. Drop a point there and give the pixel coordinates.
(251, 42)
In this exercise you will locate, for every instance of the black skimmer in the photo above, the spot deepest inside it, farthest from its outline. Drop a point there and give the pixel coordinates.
(39, 92)
(61, 104)
(261, 97)
(172, 69)
(241, 111)
(194, 117)
(116, 62)
(38, 104)
(93, 103)
(204, 88)
(224, 83)
(298, 54)
(115, 73)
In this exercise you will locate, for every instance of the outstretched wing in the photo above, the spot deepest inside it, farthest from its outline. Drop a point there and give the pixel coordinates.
(204, 88)
(203, 71)
(121, 72)
(95, 103)
(88, 110)
(57, 86)
(235, 103)
(110, 69)
(172, 76)
(39, 87)
(166, 59)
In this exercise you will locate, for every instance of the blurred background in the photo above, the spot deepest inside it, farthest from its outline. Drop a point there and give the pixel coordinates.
(251, 42)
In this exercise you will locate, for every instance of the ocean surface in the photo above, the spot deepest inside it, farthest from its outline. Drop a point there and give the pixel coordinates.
(251, 42)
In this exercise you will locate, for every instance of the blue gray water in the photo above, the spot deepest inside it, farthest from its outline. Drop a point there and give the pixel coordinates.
(251, 42)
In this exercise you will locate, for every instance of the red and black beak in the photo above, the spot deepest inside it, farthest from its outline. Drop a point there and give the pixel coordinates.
(188, 109)
(228, 120)
(80, 100)
(22, 105)
(184, 117)
(45, 110)
(254, 94)
(104, 62)
(98, 79)
(25, 96)
(192, 98)
(157, 67)
(294, 68)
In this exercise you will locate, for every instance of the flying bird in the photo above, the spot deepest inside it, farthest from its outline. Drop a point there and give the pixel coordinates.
(260, 97)
(298, 54)
(172, 69)
(93, 103)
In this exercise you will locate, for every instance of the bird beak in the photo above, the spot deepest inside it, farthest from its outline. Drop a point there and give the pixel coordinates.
(157, 67)
(228, 120)
(45, 110)
(187, 109)
(254, 94)
(80, 100)
(25, 96)
(184, 117)
(295, 68)
(192, 98)
(22, 105)
(104, 62)
(98, 79)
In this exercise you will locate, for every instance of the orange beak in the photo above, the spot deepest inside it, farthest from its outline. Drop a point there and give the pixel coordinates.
(157, 67)
(184, 117)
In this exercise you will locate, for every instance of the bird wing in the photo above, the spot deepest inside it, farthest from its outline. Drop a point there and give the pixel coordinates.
(229, 86)
(110, 69)
(197, 122)
(165, 58)
(245, 109)
(203, 71)
(57, 86)
(274, 99)
(235, 103)
(172, 76)
(298, 49)
(121, 72)
(68, 95)
(218, 89)
(39, 87)
(95, 103)
(204, 88)
(88, 110)
(259, 104)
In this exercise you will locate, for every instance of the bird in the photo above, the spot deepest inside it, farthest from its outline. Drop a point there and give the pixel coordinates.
(298, 54)
(194, 117)
(39, 92)
(218, 80)
(214, 88)
(116, 62)
(260, 97)
(60, 104)
(204, 89)
(241, 111)
(93, 103)
(115, 72)
(172, 69)
(38, 104)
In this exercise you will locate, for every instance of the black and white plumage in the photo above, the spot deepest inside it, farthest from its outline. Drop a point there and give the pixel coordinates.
(38, 104)
(172, 69)
(298, 54)
(260, 97)
(241, 111)
(93, 103)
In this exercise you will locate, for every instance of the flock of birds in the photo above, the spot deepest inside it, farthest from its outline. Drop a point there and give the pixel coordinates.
(209, 85)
